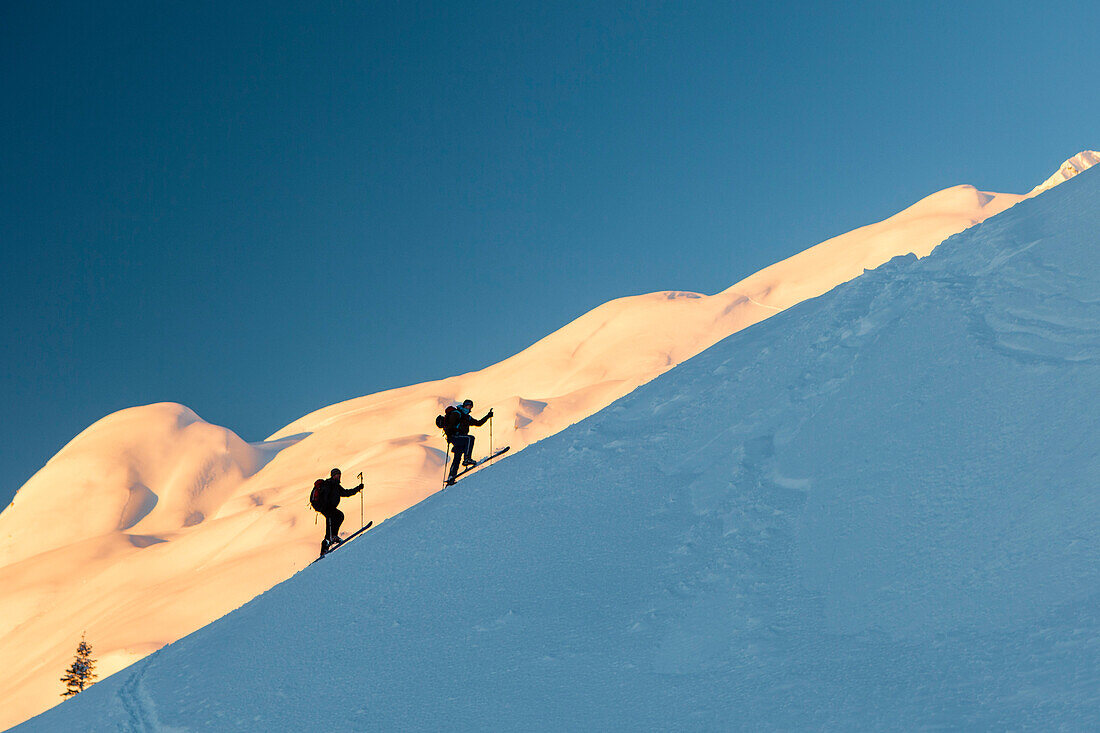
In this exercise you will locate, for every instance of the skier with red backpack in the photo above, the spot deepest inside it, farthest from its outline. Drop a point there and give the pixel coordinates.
(325, 497)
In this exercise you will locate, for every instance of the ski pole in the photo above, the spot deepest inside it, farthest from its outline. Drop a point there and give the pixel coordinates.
(490, 435)
(360, 500)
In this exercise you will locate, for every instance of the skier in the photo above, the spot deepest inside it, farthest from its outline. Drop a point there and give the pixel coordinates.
(327, 501)
(457, 429)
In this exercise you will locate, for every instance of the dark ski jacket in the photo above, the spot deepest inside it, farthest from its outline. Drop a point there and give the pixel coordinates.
(331, 491)
(458, 422)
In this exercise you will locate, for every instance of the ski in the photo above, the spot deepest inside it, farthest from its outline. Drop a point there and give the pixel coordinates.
(346, 540)
(483, 461)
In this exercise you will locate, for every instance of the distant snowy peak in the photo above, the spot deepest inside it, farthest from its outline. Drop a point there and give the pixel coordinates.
(1078, 163)
(148, 470)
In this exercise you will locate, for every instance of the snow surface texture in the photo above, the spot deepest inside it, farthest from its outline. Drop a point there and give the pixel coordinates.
(152, 523)
(877, 510)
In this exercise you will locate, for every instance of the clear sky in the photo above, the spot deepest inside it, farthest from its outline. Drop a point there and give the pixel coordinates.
(261, 209)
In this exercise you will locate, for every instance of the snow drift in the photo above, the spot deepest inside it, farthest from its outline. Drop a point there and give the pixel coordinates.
(877, 509)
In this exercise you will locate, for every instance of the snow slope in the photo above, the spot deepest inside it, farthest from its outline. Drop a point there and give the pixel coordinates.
(152, 523)
(878, 509)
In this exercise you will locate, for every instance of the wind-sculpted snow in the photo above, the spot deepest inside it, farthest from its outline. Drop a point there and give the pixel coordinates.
(876, 510)
(108, 469)
(152, 523)
(1077, 164)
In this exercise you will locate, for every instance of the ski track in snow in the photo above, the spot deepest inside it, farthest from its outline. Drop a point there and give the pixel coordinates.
(131, 698)
(137, 711)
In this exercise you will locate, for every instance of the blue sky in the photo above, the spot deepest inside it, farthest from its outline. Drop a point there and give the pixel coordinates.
(258, 211)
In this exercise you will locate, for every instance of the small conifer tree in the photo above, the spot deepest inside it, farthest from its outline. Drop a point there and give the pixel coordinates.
(81, 672)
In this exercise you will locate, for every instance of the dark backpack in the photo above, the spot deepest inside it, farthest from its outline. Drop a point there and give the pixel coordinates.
(316, 495)
(441, 420)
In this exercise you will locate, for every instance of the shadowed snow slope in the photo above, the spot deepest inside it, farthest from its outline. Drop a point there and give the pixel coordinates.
(152, 523)
(878, 509)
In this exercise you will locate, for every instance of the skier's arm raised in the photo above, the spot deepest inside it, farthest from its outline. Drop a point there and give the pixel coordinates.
(350, 492)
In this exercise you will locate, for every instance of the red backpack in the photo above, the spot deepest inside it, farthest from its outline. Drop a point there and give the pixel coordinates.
(315, 499)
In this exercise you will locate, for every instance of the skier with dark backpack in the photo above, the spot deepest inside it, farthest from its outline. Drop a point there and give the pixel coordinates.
(456, 423)
(324, 498)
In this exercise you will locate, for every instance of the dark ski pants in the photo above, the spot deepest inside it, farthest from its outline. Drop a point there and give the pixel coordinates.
(463, 447)
(333, 519)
